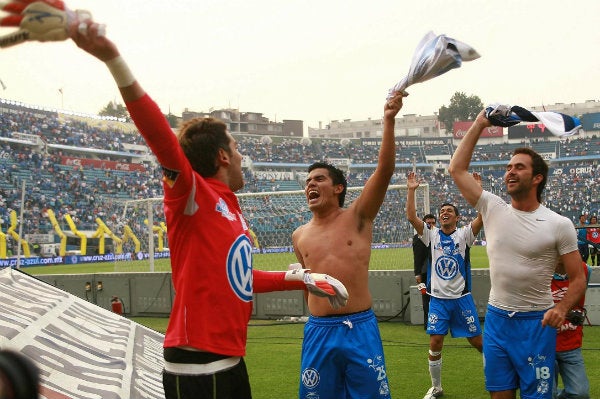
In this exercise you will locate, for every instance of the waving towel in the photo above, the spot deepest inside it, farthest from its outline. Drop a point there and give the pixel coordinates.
(434, 56)
(558, 124)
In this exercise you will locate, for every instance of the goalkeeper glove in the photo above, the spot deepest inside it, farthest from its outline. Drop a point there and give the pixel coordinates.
(319, 284)
(421, 287)
(42, 20)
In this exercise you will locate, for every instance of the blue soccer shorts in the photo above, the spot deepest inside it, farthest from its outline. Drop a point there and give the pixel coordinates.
(459, 315)
(342, 357)
(518, 353)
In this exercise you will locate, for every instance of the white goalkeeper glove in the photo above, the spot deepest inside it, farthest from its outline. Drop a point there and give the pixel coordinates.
(319, 284)
(41, 20)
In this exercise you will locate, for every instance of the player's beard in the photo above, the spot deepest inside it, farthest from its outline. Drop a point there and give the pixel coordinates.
(239, 185)
(519, 190)
(237, 182)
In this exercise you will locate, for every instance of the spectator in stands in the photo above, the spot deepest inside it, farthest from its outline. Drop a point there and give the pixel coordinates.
(343, 345)
(582, 243)
(50, 187)
(449, 280)
(525, 241)
(569, 358)
(421, 259)
(205, 340)
(593, 236)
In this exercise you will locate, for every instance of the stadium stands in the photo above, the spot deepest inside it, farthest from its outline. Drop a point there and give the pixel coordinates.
(88, 168)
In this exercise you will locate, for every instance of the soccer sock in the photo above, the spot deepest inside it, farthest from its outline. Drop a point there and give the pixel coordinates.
(435, 369)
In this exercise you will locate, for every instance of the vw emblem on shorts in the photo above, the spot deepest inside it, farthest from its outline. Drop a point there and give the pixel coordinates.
(543, 387)
(432, 318)
(310, 378)
(239, 268)
(446, 267)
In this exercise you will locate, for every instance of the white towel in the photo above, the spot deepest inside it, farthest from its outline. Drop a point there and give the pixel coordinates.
(435, 55)
(558, 124)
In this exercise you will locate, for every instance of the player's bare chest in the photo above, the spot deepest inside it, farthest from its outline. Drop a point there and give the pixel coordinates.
(334, 236)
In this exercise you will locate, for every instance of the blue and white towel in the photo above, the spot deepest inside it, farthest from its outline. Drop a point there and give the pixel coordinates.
(558, 124)
(434, 56)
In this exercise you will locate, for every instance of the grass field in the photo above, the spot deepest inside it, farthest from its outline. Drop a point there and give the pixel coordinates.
(273, 360)
(381, 259)
(273, 351)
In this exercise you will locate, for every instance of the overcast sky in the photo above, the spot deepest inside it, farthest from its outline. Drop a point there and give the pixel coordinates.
(316, 60)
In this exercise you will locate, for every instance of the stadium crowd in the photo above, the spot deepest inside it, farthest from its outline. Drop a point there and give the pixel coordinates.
(86, 192)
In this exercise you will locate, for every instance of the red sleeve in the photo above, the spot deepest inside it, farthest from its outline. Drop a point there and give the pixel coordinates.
(161, 139)
(155, 129)
(273, 281)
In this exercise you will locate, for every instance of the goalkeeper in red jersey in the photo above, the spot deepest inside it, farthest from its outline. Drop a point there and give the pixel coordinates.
(211, 252)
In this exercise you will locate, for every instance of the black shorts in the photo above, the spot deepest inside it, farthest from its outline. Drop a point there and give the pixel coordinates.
(232, 383)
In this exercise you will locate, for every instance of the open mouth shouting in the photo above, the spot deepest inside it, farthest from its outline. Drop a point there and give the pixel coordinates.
(510, 181)
(312, 195)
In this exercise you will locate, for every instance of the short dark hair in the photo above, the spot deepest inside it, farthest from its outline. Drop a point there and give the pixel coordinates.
(337, 176)
(539, 166)
(452, 205)
(201, 139)
(429, 216)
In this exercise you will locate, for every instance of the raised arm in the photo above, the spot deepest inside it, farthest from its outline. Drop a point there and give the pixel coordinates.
(459, 164)
(54, 21)
(368, 203)
(145, 113)
(411, 211)
(477, 224)
(93, 41)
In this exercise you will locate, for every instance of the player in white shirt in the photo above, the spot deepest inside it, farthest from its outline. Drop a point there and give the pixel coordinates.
(524, 242)
(451, 306)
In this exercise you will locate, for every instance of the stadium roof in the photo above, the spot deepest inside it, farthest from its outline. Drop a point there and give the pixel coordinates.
(579, 158)
(95, 151)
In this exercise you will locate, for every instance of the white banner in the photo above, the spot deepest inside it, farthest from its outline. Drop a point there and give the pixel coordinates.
(82, 350)
(273, 175)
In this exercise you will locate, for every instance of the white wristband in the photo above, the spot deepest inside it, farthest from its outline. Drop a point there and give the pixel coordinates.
(120, 72)
(295, 275)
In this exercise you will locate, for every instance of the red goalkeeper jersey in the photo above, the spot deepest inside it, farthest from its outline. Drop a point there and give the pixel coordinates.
(211, 256)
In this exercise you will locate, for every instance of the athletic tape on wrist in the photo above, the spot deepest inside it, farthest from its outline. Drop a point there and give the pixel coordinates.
(120, 72)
